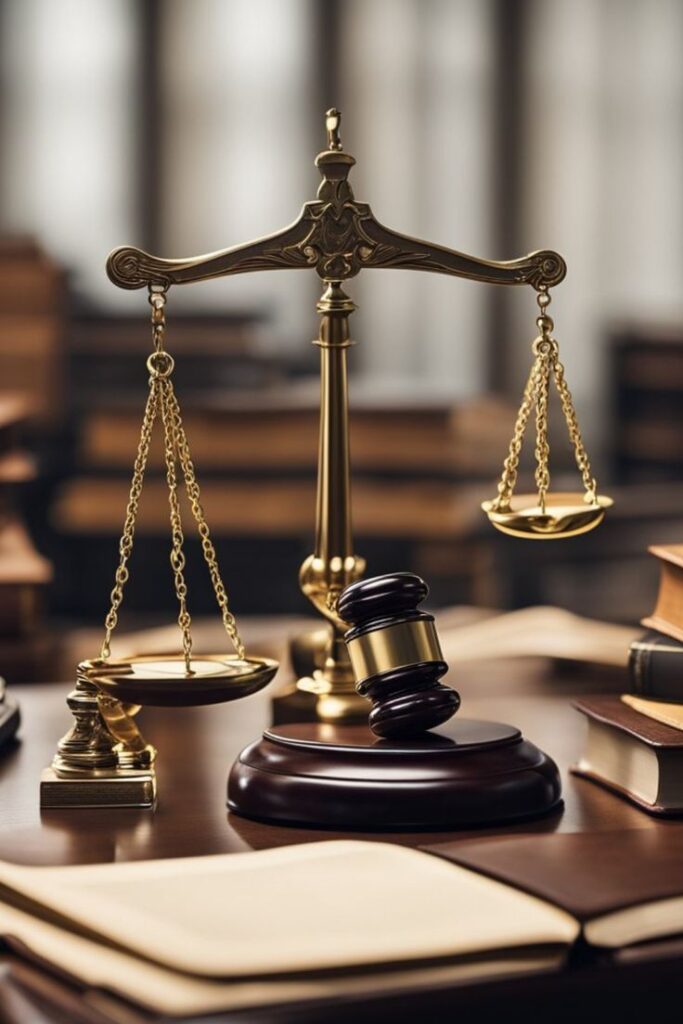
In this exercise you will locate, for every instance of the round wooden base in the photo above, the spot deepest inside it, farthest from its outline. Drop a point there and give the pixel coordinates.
(469, 773)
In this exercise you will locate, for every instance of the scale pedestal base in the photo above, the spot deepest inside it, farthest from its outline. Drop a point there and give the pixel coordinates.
(468, 774)
(93, 767)
(119, 787)
(325, 687)
(310, 700)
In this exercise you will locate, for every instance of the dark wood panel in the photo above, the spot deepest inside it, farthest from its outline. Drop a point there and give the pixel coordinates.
(196, 749)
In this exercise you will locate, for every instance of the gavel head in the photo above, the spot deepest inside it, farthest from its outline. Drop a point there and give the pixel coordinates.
(395, 654)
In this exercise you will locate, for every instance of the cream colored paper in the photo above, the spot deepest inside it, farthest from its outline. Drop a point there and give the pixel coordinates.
(298, 908)
(104, 971)
(654, 920)
(660, 711)
(540, 631)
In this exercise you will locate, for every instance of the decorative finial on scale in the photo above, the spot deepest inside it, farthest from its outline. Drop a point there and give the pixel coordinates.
(332, 123)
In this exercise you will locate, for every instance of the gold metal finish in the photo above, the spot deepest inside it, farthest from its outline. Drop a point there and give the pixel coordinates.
(382, 650)
(545, 516)
(338, 236)
(564, 515)
(104, 760)
(333, 564)
(332, 123)
(162, 401)
(161, 680)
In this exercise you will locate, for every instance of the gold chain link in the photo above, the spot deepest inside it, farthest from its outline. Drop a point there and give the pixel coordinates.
(162, 401)
(580, 455)
(536, 393)
(542, 449)
(511, 465)
(177, 539)
(545, 349)
(127, 537)
(194, 495)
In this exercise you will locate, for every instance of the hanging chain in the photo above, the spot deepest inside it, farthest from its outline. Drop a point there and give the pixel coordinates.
(584, 467)
(511, 465)
(546, 325)
(536, 393)
(542, 448)
(194, 494)
(162, 401)
(126, 541)
(545, 350)
(177, 539)
(157, 300)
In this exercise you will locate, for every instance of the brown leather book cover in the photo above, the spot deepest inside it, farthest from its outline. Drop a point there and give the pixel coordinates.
(668, 614)
(586, 874)
(624, 771)
(615, 712)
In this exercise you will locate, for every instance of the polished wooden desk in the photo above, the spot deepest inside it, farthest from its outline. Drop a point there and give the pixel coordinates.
(196, 748)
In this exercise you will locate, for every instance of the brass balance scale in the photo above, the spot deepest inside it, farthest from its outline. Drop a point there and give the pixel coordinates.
(104, 759)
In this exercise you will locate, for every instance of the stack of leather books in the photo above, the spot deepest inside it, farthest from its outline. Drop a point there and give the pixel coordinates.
(635, 742)
(656, 660)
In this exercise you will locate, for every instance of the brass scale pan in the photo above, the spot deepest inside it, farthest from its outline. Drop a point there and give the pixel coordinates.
(161, 680)
(565, 515)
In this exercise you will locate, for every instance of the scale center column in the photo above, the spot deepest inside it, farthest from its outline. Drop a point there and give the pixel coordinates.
(328, 692)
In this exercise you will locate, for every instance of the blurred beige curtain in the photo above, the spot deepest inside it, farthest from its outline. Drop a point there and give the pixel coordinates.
(235, 129)
(239, 121)
(238, 144)
(417, 88)
(604, 172)
(68, 138)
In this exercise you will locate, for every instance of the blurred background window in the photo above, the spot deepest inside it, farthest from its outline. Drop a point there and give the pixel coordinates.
(491, 126)
(486, 125)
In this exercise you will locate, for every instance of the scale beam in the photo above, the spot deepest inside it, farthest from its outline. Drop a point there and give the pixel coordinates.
(336, 236)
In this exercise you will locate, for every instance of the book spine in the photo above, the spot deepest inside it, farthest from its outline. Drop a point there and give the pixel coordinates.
(656, 669)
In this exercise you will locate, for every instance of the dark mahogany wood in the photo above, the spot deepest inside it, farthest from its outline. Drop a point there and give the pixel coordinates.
(197, 745)
(408, 699)
(194, 747)
(470, 773)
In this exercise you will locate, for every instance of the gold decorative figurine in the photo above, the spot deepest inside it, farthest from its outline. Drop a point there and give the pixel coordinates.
(336, 236)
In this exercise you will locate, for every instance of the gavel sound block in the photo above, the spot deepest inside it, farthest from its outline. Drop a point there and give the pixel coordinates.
(394, 774)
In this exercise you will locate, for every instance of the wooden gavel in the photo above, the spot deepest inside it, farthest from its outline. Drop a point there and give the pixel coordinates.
(395, 654)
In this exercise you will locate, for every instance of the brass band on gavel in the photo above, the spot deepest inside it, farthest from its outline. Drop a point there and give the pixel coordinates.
(396, 655)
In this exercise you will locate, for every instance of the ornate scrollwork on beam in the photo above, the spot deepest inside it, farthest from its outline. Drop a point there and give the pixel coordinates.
(337, 236)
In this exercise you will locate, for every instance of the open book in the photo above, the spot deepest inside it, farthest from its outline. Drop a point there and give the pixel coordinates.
(308, 922)
(625, 888)
(322, 920)
(538, 631)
